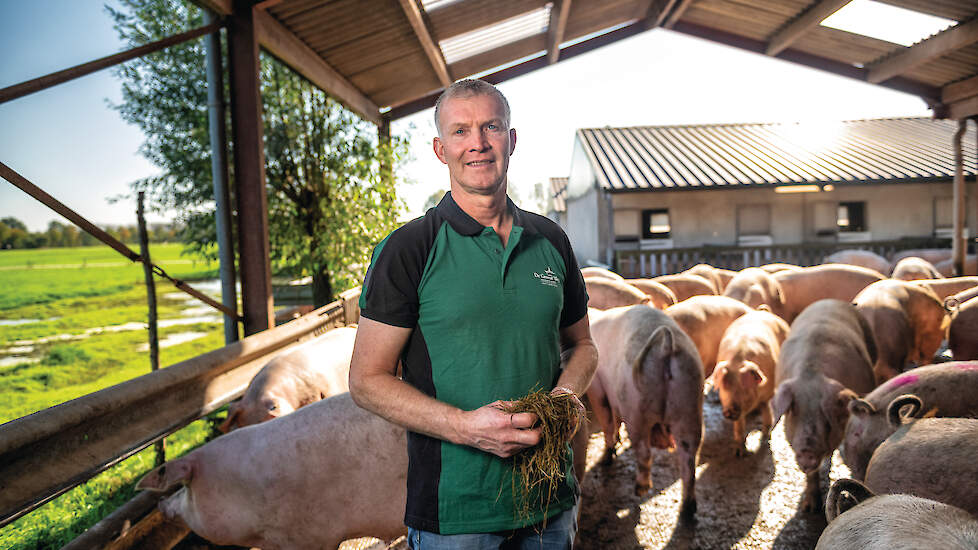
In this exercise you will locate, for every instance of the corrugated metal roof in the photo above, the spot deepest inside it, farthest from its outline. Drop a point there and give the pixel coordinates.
(887, 150)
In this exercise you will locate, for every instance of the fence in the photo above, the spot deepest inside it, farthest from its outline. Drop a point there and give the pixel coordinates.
(49, 452)
(650, 263)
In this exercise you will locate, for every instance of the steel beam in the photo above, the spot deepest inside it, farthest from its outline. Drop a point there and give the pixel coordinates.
(958, 245)
(219, 179)
(249, 169)
(940, 44)
(41, 83)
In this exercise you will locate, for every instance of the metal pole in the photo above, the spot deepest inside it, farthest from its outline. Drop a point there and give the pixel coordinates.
(219, 177)
(957, 241)
(154, 339)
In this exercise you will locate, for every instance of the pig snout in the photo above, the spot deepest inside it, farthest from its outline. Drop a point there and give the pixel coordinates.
(807, 460)
(731, 412)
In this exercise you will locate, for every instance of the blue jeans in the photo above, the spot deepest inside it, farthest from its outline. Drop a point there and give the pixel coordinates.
(557, 535)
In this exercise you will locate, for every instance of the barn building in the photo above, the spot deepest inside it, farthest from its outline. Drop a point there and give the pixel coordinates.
(725, 192)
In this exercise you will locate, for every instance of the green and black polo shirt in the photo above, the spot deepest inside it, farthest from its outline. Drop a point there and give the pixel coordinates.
(486, 323)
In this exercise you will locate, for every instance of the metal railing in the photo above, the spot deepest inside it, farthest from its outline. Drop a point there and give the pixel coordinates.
(651, 263)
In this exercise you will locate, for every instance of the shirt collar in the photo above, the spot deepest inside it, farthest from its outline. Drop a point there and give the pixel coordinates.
(464, 224)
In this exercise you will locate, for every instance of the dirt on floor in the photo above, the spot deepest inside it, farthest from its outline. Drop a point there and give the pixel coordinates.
(749, 503)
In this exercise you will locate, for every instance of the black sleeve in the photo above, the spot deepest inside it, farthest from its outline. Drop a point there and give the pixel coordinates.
(390, 288)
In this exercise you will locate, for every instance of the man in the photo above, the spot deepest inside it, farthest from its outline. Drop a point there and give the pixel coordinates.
(477, 299)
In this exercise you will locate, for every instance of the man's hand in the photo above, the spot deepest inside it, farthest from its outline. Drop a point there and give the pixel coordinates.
(490, 429)
(562, 390)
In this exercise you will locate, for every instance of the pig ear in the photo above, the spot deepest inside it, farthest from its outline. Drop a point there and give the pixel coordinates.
(764, 307)
(842, 400)
(719, 372)
(781, 402)
(861, 406)
(231, 420)
(751, 376)
(896, 412)
(845, 494)
(167, 475)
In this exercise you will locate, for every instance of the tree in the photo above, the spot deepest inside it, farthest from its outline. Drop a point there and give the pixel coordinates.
(329, 201)
(433, 199)
(14, 223)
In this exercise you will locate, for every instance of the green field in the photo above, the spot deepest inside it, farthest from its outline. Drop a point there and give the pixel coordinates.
(69, 292)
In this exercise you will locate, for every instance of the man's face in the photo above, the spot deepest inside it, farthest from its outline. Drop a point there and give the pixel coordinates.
(475, 143)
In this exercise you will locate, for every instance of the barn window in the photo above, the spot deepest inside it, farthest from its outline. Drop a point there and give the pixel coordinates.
(655, 224)
(851, 217)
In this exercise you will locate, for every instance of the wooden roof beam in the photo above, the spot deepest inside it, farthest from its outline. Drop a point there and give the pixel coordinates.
(657, 12)
(220, 7)
(936, 46)
(676, 14)
(423, 31)
(957, 91)
(809, 19)
(281, 43)
(555, 30)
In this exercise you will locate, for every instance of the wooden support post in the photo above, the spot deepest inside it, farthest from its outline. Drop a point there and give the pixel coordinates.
(154, 338)
(249, 170)
(957, 242)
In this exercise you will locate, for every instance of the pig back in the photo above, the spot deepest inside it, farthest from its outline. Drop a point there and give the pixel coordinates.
(913, 268)
(862, 258)
(326, 473)
(889, 522)
(947, 287)
(687, 285)
(832, 338)
(937, 386)
(660, 294)
(754, 287)
(962, 337)
(607, 293)
(704, 319)
(932, 458)
(831, 281)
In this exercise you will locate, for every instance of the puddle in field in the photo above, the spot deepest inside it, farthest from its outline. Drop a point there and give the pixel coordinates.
(14, 322)
(17, 360)
(174, 339)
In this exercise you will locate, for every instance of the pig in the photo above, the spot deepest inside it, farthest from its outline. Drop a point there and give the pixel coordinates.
(704, 319)
(745, 371)
(649, 376)
(754, 287)
(913, 268)
(908, 322)
(932, 255)
(709, 273)
(661, 296)
(774, 268)
(938, 388)
(862, 258)
(600, 273)
(962, 335)
(311, 371)
(808, 285)
(606, 294)
(686, 286)
(826, 362)
(946, 267)
(861, 520)
(725, 275)
(928, 457)
(949, 286)
(326, 473)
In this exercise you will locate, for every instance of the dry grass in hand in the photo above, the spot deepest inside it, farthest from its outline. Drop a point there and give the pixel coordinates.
(541, 467)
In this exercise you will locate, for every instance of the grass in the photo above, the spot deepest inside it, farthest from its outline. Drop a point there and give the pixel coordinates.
(71, 291)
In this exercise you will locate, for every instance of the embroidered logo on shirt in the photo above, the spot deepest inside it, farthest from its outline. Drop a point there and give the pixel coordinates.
(548, 278)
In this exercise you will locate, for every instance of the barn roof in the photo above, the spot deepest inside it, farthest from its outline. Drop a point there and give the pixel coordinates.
(890, 150)
(391, 58)
(558, 190)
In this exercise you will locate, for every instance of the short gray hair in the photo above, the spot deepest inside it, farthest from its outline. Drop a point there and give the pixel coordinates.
(470, 87)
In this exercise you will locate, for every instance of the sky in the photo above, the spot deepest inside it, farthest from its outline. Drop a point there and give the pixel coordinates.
(68, 141)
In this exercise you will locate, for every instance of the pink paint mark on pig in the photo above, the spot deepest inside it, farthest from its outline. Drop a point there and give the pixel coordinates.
(902, 380)
(968, 366)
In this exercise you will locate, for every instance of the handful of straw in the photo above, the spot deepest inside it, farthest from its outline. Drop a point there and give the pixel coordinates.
(541, 467)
